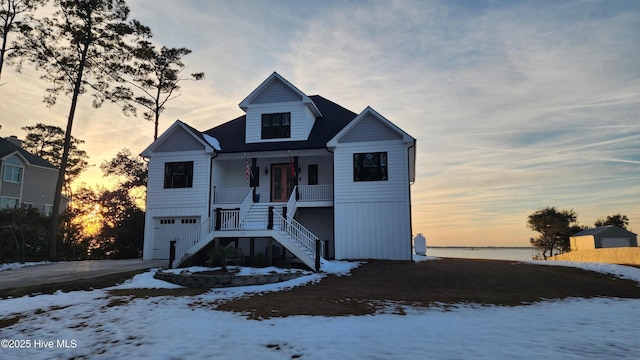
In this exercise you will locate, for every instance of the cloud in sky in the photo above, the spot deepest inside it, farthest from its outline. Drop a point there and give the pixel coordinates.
(516, 105)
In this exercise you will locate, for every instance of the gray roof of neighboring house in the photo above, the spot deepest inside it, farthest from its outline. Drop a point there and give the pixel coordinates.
(231, 135)
(594, 231)
(7, 148)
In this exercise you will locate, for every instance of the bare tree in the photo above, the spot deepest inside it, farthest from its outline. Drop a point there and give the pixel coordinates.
(82, 46)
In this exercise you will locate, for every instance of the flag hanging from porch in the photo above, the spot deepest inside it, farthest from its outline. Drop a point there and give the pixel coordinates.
(248, 173)
(293, 171)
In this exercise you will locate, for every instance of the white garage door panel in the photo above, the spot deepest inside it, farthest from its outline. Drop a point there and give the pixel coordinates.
(167, 229)
(615, 242)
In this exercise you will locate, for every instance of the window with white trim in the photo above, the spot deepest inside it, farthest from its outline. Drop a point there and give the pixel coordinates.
(370, 166)
(9, 203)
(276, 126)
(178, 175)
(12, 170)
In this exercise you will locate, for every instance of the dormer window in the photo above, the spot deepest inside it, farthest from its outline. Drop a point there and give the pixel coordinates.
(276, 126)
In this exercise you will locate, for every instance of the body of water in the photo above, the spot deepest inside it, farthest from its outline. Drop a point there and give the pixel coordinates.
(494, 253)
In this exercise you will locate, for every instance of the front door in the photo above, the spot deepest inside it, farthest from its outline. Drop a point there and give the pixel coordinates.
(281, 182)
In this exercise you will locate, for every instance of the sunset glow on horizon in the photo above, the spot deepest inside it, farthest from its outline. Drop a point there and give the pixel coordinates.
(515, 105)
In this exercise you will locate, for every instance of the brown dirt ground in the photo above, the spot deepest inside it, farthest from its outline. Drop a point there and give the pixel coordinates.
(390, 286)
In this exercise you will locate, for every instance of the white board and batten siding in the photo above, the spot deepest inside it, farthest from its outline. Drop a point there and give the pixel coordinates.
(372, 218)
(177, 204)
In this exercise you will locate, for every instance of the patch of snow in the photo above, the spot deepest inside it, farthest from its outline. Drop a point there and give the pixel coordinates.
(212, 141)
(165, 327)
(10, 266)
(417, 257)
(339, 267)
(146, 281)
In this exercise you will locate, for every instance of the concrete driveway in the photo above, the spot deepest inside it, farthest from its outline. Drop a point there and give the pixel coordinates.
(65, 271)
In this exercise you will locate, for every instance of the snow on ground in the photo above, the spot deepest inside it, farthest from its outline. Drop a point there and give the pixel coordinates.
(96, 325)
(9, 266)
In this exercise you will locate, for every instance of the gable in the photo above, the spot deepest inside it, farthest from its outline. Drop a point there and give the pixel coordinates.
(370, 129)
(179, 140)
(9, 148)
(277, 91)
(231, 134)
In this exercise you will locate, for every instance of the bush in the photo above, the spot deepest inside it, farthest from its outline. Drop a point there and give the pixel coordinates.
(223, 255)
(23, 235)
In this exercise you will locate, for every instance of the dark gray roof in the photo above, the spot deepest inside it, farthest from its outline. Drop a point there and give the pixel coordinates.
(597, 230)
(231, 135)
(592, 231)
(7, 147)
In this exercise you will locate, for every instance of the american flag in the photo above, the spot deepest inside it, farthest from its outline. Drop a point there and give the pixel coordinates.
(247, 171)
(293, 170)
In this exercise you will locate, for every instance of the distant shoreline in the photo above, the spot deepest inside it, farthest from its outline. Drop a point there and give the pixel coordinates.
(478, 247)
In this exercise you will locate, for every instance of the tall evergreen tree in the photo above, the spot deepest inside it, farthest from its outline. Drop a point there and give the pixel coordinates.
(155, 76)
(13, 14)
(82, 46)
(47, 142)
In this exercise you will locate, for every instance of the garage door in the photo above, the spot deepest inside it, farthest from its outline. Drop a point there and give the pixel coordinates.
(167, 229)
(615, 242)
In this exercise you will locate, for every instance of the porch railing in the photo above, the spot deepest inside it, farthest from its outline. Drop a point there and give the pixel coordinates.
(315, 192)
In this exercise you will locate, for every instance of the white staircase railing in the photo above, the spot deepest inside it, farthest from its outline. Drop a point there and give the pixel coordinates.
(246, 204)
(291, 234)
(292, 204)
(193, 238)
(300, 236)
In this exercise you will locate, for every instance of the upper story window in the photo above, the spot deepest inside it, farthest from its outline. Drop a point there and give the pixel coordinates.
(178, 175)
(12, 170)
(276, 126)
(370, 166)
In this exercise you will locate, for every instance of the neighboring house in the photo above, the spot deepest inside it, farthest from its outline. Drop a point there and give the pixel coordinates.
(27, 180)
(609, 236)
(294, 169)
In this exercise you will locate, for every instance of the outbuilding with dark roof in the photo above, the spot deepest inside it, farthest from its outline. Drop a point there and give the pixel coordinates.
(609, 236)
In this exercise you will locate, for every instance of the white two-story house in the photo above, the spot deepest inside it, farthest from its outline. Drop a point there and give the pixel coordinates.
(293, 170)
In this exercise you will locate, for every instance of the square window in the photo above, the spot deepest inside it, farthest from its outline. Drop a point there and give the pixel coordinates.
(370, 166)
(178, 175)
(276, 126)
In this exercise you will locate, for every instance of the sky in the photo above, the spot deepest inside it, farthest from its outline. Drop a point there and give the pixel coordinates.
(515, 105)
(86, 324)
